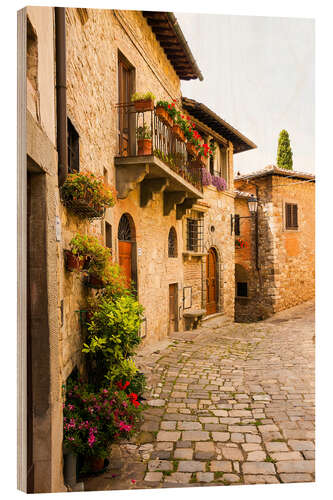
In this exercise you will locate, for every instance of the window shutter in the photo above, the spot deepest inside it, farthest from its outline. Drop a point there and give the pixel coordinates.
(295, 216)
(237, 225)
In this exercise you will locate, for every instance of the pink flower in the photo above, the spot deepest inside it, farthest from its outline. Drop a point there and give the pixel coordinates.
(133, 481)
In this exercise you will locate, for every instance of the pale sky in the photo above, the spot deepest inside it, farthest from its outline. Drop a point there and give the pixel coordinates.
(259, 77)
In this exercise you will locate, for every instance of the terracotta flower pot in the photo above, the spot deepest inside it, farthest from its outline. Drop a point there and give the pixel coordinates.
(144, 146)
(191, 149)
(177, 132)
(73, 262)
(164, 116)
(96, 464)
(141, 106)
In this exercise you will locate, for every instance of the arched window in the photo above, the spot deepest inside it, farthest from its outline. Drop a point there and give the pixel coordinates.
(172, 243)
(126, 230)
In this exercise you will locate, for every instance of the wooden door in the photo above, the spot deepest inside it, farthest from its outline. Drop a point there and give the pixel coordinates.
(125, 259)
(124, 98)
(211, 282)
(173, 308)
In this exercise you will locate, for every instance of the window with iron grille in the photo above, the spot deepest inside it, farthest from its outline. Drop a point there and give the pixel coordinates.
(172, 243)
(195, 232)
(237, 224)
(291, 216)
(242, 289)
(73, 148)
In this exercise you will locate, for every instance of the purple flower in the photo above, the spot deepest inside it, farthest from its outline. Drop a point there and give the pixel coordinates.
(219, 183)
(206, 177)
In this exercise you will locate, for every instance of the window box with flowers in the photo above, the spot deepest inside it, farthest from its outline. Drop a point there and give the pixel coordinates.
(239, 243)
(163, 114)
(86, 195)
(143, 102)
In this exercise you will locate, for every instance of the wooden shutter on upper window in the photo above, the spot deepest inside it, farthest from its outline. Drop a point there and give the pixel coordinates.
(295, 216)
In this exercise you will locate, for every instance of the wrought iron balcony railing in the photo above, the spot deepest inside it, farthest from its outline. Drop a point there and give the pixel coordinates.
(143, 133)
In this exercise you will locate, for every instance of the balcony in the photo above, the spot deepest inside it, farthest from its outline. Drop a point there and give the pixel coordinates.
(151, 155)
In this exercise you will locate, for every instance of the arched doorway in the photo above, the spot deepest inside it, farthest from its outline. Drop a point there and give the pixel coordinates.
(127, 248)
(211, 282)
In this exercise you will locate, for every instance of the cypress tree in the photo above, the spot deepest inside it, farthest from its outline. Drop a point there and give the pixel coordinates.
(284, 152)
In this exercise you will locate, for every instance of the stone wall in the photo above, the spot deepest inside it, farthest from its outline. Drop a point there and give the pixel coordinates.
(286, 257)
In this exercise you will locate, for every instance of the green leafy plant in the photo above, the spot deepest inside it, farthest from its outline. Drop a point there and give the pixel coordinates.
(143, 132)
(113, 336)
(138, 96)
(284, 152)
(88, 188)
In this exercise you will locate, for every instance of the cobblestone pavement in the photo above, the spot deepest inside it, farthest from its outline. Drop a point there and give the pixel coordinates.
(227, 404)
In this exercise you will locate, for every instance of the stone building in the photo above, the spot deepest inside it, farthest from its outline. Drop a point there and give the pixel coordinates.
(170, 233)
(275, 269)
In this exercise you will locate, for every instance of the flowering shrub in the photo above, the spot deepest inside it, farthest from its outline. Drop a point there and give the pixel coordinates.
(93, 420)
(88, 188)
(240, 243)
(219, 183)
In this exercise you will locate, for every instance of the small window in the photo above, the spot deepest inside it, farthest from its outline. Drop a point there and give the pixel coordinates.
(108, 235)
(73, 148)
(242, 289)
(195, 232)
(237, 224)
(291, 213)
(172, 243)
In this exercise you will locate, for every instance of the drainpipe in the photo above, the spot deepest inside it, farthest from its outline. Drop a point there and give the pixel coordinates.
(60, 39)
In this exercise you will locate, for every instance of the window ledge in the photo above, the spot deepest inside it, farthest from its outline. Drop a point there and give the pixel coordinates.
(189, 254)
(242, 298)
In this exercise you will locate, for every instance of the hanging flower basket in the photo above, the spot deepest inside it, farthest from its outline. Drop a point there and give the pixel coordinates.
(144, 147)
(86, 195)
(177, 132)
(73, 262)
(191, 149)
(164, 116)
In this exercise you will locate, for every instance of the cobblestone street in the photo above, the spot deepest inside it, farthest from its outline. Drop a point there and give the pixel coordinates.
(227, 404)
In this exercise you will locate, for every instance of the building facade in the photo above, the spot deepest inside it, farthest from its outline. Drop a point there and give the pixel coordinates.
(274, 270)
(169, 232)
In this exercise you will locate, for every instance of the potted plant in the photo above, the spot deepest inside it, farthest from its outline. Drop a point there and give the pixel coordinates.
(163, 114)
(87, 195)
(143, 102)
(144, 140)
(97, 256)
(73, 262)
